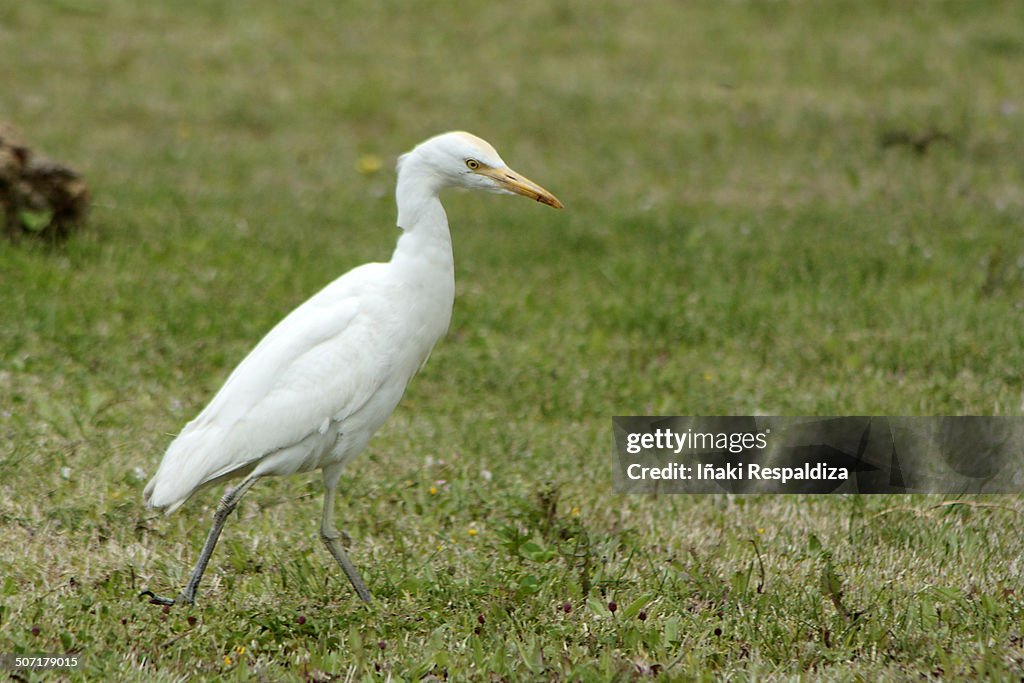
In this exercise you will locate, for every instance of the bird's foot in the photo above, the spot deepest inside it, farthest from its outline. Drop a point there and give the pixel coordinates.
(155, 599)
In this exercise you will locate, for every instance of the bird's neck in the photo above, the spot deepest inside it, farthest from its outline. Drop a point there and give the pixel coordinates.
(426, 244)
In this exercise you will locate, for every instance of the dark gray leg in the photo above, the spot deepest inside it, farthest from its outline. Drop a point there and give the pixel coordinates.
(330, 536)
(226, 506)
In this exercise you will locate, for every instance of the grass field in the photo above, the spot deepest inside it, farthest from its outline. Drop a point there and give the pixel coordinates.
(749, 228)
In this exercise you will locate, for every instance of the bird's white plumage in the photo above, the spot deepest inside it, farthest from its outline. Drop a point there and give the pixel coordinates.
(315, 389)
(306, 387)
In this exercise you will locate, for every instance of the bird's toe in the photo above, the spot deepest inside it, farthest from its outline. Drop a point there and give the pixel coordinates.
(155, 599)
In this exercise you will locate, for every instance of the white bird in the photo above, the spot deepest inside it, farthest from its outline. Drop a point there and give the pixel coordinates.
(317, 387)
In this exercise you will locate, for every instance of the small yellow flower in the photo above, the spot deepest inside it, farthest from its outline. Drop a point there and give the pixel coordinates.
(575, 512)
(440, 547)
(433, 490)
(240, 649)
(760, 530)
(227, 660)
(472, 531)
(369, 164)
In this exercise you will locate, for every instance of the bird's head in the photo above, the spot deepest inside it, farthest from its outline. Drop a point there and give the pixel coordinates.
(463, 160)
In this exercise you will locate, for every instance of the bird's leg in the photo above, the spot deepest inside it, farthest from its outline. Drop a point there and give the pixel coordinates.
(226, 506)
(330, 536)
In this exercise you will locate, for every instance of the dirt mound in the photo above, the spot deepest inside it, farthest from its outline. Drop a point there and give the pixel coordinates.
(38, 196)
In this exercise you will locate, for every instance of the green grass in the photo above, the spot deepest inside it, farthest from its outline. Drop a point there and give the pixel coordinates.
(737, 239)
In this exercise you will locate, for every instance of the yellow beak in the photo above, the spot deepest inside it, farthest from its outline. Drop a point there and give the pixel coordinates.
(520, 184)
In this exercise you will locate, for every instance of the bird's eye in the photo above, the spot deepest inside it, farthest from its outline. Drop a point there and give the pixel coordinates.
(472, 164)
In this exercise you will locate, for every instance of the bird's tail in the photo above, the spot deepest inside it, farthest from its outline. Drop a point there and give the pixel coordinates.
(181, 472)
(156, 495)
(187, 467)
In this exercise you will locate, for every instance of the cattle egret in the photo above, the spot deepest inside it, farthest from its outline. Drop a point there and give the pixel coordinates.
(317, 387)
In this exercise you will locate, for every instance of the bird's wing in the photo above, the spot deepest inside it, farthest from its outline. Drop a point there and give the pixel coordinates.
(306, 370)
